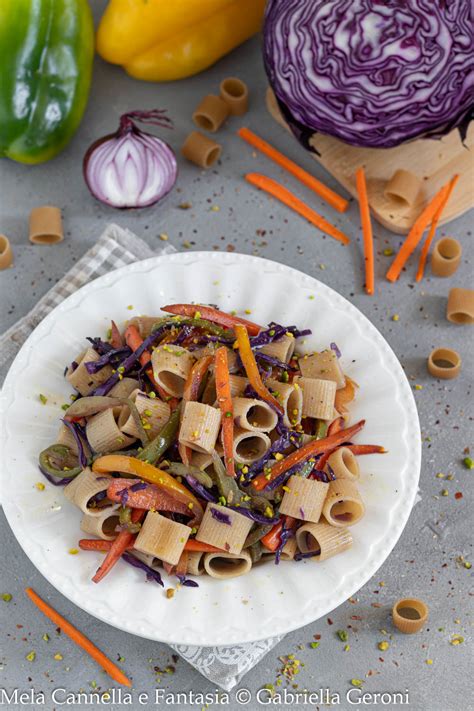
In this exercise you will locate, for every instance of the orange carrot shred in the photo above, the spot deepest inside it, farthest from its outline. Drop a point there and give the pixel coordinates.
(224, 400)
(251, 369)
(366, 230)
(282, 194)
(80, 639)
(336, 201)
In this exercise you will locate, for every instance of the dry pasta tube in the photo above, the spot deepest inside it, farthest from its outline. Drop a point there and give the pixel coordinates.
(344, 464)
(6, 254)
(323, 540)
(85, 486)
(403, 188)
(195, 564)
(161, 537)
(318, 397)
(460, 306)
(224, 528)
(249, 446)
(227, 565)
(201, 150)
(153, 412)
(103, 432)
(211, 113)
(171, 366)
(235, 93)
(289, 549)
(343, 505)
(290, 398)
(124, 387)
(103, 525)
(200, 426)
(282, 349)
(254, 415)
(444, 363)
(324, 365)
(409, 615)
(446, 257)
(304, 498)
(83, 381)
(46, 225)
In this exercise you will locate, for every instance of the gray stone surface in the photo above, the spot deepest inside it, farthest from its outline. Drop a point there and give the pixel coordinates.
(425, 562)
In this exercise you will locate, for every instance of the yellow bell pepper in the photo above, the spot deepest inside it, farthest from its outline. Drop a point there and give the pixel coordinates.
(163, 40)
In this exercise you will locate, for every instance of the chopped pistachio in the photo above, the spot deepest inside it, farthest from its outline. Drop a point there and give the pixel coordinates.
(357, 682)
(58, 657)
(6, 597)
(31, 656)
(43, 399)
(383, 646)
(40, 486)
(314, 645)
(342, 634)
(468, 463)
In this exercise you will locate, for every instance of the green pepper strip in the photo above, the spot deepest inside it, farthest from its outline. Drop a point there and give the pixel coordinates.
(163, 440)
(256, 551)
(182, 470)
(257, 533)
(63, 455)
(227, 486)
(321, 429)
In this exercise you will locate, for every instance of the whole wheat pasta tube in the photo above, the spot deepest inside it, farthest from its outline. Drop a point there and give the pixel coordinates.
(201, 460)
(254, 415)
(304, 498)
(224, 528)
(171, 366)
(103, 525)
(290, 398)
(211, 113)
(318, 397)
(283, 348)
(83, 381)
(343, 505)
(161, 537)
(403, 188)
(235, 94)
(344, 464)
(66, 437)
(6, 253)
(446, 257)
(124, 387)
(249, 446)
(103, 432)
(151, 560)
(444, 363)
(324, 365)
(200, 426)
(322, 539)
(289, 549)
(227, 565)
(201, 150)
(46, 226)
(237, 383)
(195, 563)
(153, 412)
(409, 615)
(144, 324)
(83, 487)
(460, 306)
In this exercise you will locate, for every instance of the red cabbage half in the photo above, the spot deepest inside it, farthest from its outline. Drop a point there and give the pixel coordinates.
(371, 73)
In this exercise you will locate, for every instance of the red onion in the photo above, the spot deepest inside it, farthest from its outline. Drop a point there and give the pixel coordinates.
(131, 168)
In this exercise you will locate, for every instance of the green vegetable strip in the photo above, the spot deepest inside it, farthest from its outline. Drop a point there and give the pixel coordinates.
(163, 440)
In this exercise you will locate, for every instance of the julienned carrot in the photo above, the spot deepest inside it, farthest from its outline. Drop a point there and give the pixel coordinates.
(224, 400)
(366, 230)
(81, 640)
(336, 201)
(336, 426)
(357, 449)
(251, 369)
(134, 340)
(290, 200)
(210, 314)
(431, 233)
(119, 546)
(96, 544)
(272, 539)
(116, 339)
(316, 446)
(191, 393)
(193, 545)
(415, 234)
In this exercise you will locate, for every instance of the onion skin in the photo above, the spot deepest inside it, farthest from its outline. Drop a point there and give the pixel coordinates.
(373, 74)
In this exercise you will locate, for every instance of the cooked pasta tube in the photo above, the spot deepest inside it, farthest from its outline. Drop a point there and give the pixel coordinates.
(103, 525)
(343, 505)
(171, 366)
(237, 383)
(84, 487)
(290, 398)
(283, 348)
(227, 565)
(344, 464)
(161, 537)
(324, 365)
(66, 437)
(460, 306)
(323, 540)
(304, 498)
(144, 324)
(153, 412)
(201, 460)
(151, 560)
(103, 432)
(249, 446)
(200, 426)
(224, 528)
(195, 564)
(78, 376)
(254, 415)
(289, 549)
(124, 388)
(318, 397)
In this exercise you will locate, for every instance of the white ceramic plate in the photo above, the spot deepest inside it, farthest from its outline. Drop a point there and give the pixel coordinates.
(272, 599)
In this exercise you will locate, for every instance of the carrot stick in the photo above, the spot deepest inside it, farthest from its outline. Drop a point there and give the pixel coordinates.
(193, 545)
(224, 400)
(191, 392)
(272, 539)
(316, 446)
(116, 339)
(335, 426)
(81, 640)
(210, 314)
(332, 198)
(94, 544)
(415, 234)
(287, 198)
(251, 369)
(366, 230)
(134, 340)
(431, 233)
(119, 546)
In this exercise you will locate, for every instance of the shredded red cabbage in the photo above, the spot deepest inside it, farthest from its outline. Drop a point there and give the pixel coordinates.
(200, 489)
(186, 582)
(302, 556)
(285, 535)
(139, 486)
(151, 574)
(54, 480)
(112, 357)
(333, 347)
(256, 516)
(72, 426)
(220, 516)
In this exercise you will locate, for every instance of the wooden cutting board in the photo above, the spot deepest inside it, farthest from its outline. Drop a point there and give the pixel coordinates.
(434, 161)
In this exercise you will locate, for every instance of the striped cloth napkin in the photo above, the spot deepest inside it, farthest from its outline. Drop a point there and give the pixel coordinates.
(117, 247)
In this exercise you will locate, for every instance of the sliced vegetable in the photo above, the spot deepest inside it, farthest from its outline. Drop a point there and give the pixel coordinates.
(95, 544)
(224, 400)
(226, 484)
(118, 547)
(211, 314)
(60, 462)
(271, 540)
(151, 573)
(135, 341)
(116, 339)
(251, 369)
(193, 545)
(151, 497)
(163, 440)
(367, 234)
(191, 390)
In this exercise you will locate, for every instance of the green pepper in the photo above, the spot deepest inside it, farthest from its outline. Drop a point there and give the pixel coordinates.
(46, 50)
(59, 461)
(227, 485)
(256, 534)
(321, 429)
(163, 440)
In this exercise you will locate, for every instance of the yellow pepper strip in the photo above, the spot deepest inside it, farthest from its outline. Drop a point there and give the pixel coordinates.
(248, 361)
(147, 472)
